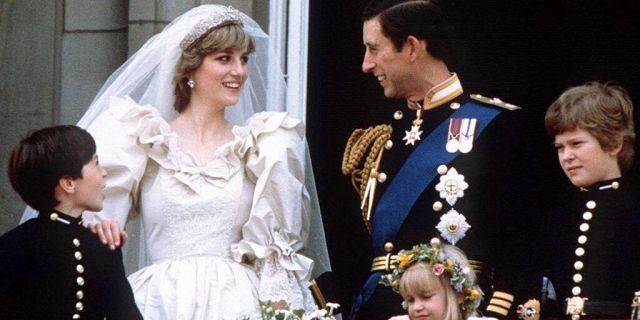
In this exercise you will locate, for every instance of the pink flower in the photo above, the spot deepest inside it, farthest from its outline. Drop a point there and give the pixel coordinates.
(438, 269)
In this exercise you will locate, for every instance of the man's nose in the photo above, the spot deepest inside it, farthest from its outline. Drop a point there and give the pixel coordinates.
(367, 64)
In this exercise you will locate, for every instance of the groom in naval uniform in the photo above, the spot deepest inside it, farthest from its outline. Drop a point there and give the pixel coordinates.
(448, 164)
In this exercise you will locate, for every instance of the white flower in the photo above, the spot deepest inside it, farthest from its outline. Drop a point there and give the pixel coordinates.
(283, 312)
(452, 186)
(318, 314)
(453, 226)
(332, 307)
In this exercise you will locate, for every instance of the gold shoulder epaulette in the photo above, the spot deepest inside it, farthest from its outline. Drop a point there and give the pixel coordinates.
(495, 102)
(369, 142)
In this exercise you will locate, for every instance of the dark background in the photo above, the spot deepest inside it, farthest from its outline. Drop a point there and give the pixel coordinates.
(525, 52)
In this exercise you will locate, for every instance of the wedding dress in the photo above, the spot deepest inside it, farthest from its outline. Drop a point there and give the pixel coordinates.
(220, 235)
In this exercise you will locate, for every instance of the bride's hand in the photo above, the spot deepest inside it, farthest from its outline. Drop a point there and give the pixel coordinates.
(109, 233)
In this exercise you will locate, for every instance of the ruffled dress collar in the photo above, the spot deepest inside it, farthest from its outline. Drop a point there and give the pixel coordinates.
(153, 133)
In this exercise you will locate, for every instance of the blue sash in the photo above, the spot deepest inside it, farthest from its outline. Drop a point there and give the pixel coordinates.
(417, 172)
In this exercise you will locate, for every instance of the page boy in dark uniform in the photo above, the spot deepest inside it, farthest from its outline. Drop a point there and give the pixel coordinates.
(589, 255)
(450, 164)
(51, 267)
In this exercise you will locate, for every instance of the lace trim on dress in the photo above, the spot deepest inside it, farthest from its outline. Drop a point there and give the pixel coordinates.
(276, 283)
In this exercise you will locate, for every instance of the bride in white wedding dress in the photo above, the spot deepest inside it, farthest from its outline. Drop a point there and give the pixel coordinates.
(224, 204)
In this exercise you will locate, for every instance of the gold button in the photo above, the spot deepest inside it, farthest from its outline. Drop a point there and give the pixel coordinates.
(442, 169)
(577, 278)
(587, 215)
(76, 316)
(578, 265)
(580, 252)
(53, 216)
(76, 242)
(79, 295)
(80, 281)
(435, 242)
(80, 268)
(576, 290)
(454, 106)
(398, 115)
(79, 306)
(582, 239)
(382, 177)
(437, 206)
(388, 247)
(388, 145)
(584, 227)
(615, 185)
(78, 255)
(591, 205)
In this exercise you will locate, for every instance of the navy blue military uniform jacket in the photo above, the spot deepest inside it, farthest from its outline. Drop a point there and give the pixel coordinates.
(60, 270)
(502, 171)
(590, 248)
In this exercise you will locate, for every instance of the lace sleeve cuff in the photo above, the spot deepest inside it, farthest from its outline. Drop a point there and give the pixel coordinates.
(277, 283)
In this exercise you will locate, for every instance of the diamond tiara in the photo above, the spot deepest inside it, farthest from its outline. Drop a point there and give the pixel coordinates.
(228, 14)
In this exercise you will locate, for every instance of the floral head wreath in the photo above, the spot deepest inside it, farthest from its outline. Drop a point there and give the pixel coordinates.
(460, 276)
(229, 14)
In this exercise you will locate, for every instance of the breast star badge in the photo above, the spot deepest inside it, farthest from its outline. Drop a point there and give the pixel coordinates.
(451, 186)
(453, 226)
(412, 136)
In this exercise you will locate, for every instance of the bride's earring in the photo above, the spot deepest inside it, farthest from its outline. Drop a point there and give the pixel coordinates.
(191, 83)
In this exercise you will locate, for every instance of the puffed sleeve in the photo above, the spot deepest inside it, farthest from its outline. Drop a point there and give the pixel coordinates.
(278, 226)
(117, 133)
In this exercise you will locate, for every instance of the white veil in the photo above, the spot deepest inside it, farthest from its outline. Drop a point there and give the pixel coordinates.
(147, 78)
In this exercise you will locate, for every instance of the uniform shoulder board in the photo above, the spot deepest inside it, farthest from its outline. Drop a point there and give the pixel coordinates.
(495, 102)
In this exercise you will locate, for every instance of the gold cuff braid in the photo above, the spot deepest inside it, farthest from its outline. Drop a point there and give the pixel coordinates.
(500, 303)
(386, 263)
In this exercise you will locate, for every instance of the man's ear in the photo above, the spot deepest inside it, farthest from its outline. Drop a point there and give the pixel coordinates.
(67, 184)
(415, 47)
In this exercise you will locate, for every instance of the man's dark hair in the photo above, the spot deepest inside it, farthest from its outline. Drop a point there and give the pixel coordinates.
(39, 161)
(422, 19)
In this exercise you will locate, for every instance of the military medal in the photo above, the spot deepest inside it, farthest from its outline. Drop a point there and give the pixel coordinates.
(453, 142)
(461, 133)
(453, 226)
(466, 135)
(412, 136)
(451, 186)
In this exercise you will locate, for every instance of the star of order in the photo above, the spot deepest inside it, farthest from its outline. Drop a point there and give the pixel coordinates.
(412, 136)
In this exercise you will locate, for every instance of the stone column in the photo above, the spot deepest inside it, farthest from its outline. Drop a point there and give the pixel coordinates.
(28, 90)
(94, 44)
